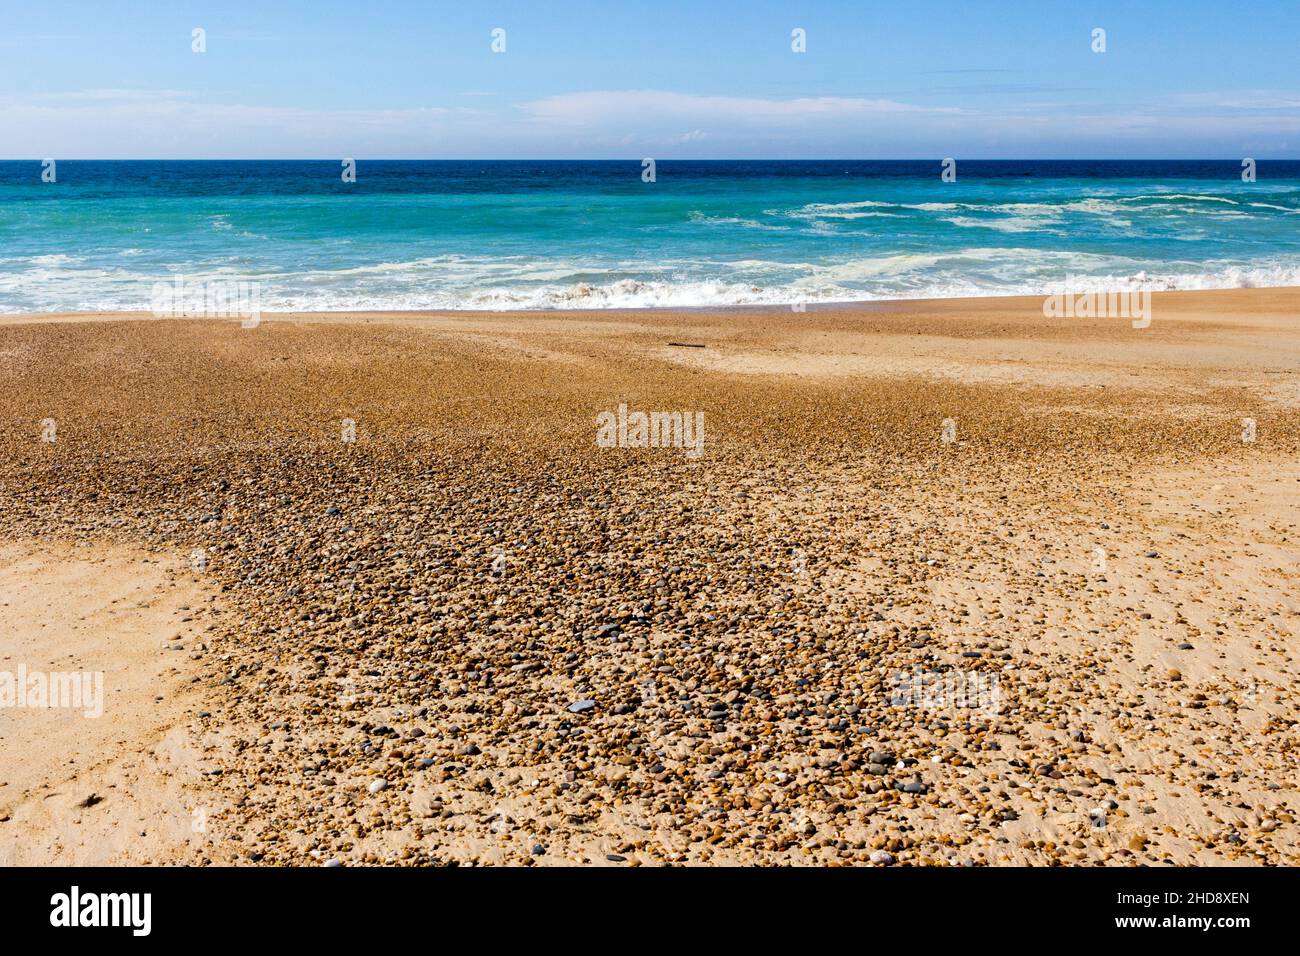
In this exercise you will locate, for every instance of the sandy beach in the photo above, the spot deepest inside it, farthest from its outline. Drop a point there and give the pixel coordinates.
(947, 583)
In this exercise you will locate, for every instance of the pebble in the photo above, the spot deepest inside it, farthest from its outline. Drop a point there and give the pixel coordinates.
(746, 713)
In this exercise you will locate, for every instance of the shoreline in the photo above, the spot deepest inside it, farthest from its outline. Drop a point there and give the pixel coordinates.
(1012, 301)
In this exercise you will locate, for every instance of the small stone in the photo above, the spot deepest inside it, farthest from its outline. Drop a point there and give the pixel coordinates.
(578, 706)
(881, 858)
(377, 785)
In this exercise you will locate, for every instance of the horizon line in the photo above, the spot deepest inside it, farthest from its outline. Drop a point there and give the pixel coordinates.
(657, 159)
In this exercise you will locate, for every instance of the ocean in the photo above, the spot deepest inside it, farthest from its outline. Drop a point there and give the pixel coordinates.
(580, 234)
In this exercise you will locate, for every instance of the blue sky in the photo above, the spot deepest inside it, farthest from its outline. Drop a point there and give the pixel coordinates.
(662, 78)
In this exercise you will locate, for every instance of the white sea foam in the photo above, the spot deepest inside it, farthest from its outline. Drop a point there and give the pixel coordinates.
(1101, 206)
(461, 282)
(700, 217)
(849, 215)
(843, 209)
(893, 277)
(1011, 224)
(54, 259)
(1176, 196)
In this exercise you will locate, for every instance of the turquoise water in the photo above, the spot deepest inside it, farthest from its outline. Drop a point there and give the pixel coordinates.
(497, 235)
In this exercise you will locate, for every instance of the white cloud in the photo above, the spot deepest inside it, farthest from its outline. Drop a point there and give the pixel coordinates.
(1242, 100)
(603, 106)
(171, 123)
(135, 123)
